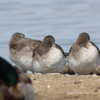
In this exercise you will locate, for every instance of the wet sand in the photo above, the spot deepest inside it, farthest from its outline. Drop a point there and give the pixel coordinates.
(56, 86)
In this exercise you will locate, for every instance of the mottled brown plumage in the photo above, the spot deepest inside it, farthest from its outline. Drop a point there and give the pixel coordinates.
(46, 44)
(84, 55)
(48, 57)
(21, 50)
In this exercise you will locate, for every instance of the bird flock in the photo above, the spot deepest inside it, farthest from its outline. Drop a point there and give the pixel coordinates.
(43, 57)
(48, 57)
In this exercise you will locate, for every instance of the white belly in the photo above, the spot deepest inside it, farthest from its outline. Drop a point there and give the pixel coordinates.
(22, 59)
(87, 60)
(51, 62)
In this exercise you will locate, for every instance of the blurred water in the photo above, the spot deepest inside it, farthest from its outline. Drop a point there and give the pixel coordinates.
(64, 19)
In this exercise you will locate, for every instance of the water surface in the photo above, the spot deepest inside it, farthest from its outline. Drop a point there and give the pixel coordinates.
(63, 19)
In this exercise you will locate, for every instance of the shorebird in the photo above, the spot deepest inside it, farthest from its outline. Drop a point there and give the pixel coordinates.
(14, 84)
(21, 50)
(84, 55)
(48, 57)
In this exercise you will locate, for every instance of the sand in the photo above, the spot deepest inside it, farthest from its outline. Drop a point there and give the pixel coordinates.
(56, 86)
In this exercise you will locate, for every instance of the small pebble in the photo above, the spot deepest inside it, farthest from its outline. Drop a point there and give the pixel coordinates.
(48, 86)
(77, 82)
(34, 79)
(98, 87)
(95, 90)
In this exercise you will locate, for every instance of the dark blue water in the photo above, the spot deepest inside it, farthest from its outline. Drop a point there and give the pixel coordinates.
(63, 19)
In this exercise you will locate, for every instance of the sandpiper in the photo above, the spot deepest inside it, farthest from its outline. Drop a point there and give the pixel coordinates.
(21, 50)
(84, 55)
(48, 57)
(14, 84)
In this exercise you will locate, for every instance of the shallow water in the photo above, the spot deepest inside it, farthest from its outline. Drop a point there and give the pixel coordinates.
(64, 19)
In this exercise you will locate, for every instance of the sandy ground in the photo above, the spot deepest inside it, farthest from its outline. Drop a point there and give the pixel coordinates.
(56, 86)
